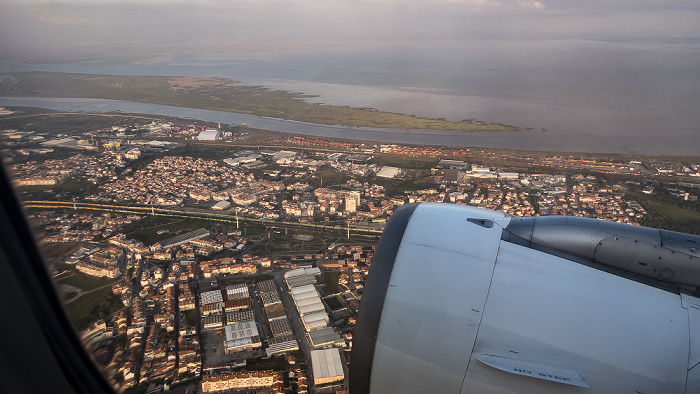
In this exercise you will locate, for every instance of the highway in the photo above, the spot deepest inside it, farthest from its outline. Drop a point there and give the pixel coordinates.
(193, 213)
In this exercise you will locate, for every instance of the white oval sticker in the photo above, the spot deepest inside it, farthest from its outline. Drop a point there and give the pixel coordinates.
(533, 370)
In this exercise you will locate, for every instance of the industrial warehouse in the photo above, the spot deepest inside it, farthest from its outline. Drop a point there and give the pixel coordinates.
(326, 365)
(311, 309)
(242, 336)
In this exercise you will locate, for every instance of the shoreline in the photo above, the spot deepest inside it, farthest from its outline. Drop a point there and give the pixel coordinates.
(534, 141)
(223, 94)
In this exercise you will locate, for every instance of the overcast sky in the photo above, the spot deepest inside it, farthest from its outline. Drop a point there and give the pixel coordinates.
(35, 27)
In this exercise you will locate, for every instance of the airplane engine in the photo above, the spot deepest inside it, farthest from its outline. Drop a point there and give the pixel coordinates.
(466, 300)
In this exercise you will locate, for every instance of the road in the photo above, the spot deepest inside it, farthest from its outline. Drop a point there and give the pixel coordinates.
(193, 213)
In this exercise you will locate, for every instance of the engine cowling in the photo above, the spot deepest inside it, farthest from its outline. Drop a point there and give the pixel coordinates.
(455, 302)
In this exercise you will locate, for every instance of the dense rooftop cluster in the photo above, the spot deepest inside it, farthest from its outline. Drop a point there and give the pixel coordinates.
(53, 172)
(64, 227)
(202, 304)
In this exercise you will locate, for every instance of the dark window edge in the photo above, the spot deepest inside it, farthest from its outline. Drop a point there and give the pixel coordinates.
(373, 296)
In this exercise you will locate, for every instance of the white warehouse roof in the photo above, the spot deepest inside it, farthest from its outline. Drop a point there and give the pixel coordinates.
(303, 289)
(306, 301)
(209, 135)
(211, 297)
(302, 271)
(326, 365)
(315, 320)
(305, 295)
(221, 205)
(311, 308)
(246, 329)
(389, 172)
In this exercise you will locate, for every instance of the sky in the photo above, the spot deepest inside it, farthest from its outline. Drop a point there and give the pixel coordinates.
(31, 29)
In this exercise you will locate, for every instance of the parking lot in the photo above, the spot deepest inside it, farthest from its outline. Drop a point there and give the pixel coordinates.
(214, 348)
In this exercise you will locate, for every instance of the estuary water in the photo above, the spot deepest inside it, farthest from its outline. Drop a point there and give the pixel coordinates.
(587, 96)
(523, 140)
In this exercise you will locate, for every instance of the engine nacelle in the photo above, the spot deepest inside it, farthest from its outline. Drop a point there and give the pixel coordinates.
(462, 300)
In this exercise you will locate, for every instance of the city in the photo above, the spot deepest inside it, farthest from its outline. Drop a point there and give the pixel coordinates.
(383, 196)
(246, 271)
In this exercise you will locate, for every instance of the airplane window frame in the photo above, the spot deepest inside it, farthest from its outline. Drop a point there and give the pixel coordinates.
(40, 345)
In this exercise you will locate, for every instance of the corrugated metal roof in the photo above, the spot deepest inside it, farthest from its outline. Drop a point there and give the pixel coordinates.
(311, 308)
(241, 330)
(302, 289)
(315, 316)
(306, 301)
(305, 295)
(326, 363)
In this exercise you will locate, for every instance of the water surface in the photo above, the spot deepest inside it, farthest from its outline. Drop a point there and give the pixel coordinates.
(589, 96)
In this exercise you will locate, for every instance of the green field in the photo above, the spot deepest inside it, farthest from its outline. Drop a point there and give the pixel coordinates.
(218, 94)
(285, 244)
(77, 186)
(56, 251)
(85, 282)
(53, 122)
(675, 213)
(672, 218)
(146, 229)
(93, 306)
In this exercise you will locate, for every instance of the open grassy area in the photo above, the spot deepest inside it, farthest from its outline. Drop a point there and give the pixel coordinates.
(54, 122)
(69, 295)
(330, 286)
(93, 306)
(76, 186)
(404, 161)
(266, 364)
(669, 217)
(56, 251)
(84, 282)
(676, 213)
(218, 94)
(289, 243)
(146, 229)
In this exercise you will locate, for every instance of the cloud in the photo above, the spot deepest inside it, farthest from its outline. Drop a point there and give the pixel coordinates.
(61, 20)
(62, 24)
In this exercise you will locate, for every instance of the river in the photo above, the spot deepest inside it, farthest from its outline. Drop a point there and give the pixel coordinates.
(523, 140)
(607, 97)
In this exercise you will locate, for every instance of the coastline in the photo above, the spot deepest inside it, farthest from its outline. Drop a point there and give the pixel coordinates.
(223, 94)
(645, 145)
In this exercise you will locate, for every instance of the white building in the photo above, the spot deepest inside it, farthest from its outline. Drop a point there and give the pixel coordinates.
(389, 172)
(327, 366)
(211, 297)
(241, 336)
(350, 204)
(508, 175)
(210, 135)
(315, 320)
(221, 205)
(237, 292)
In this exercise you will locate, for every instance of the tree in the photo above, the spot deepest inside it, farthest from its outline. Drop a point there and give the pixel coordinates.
(330, 281)
(118, 377)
